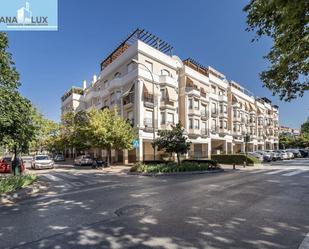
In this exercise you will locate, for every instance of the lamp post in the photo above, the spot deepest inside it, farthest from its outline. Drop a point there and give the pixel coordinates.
(153, 99)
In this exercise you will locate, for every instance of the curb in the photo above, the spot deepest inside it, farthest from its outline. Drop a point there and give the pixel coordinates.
(177, 173)
(33, 190)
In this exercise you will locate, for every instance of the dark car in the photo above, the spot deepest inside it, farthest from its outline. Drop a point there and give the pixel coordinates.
(304, 153)
(6, 165)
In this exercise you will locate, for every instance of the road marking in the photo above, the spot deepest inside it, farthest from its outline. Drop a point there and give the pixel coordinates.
(258, 171)
(293, 173)
(305, 243)
(52, 178)
(275, 172)
(68, 176)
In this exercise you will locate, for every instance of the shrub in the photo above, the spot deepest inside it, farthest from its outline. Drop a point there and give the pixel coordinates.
(235, 158)
(12, 183)
(210, 162)
(173, 167)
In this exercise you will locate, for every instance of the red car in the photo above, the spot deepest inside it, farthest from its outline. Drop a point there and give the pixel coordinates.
(6, 162)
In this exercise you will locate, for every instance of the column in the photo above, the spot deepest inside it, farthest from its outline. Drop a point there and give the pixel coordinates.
(140, 151)
(125, 159)
(209, 149)
(225, 147)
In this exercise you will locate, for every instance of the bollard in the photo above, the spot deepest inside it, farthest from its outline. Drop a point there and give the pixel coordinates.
(234, 166)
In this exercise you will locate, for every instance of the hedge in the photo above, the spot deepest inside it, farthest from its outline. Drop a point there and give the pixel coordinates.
(201, 161)
(235, 158)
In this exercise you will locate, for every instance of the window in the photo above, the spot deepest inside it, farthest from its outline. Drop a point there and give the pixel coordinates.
(203, 127)
(196, 124)
(221, 108)
(221, 124)
(162, 117)
(214, 108)
(234, 112)
(221, 92)
(225, 108)
(203, 110)
(213, 124)
(170, 118)
(117, 75)
(225, 125)
(130, 67)
(190, 103)
(196, 104)
(165, 72)
(163, 94)
(149, 65)
(190, 123)
(148, 118)
(213, 89)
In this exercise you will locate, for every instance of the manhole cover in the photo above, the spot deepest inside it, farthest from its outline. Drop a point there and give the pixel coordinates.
(132, 210)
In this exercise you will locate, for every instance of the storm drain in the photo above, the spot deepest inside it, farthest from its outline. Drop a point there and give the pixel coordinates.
(132, 210)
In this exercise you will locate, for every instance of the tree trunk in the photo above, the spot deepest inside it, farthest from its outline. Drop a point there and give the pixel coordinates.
(14, 162)
(109, 157)
(178, 159)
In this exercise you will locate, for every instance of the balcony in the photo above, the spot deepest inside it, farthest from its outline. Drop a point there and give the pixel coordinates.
(204, 132)
(148, 100)
(223, 115)
(129, 99)
(193, 91)
(222, 98)
(204, 115)
(223, 130)
(237, 119)
(166, 102)
(165, 79)
(214, 114)
(194, 111)
(214, 130)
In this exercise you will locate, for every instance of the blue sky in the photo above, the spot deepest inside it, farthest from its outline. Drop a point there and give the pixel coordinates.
(210, 31)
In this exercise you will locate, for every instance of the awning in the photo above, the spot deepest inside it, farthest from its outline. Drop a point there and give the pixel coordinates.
(246, 106)
(128, 89)
(252, 107)
(189, 82)
(172, 95)
(147, 88)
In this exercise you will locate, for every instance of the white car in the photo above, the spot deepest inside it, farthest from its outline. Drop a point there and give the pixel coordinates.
(42, 162)
(83, 160)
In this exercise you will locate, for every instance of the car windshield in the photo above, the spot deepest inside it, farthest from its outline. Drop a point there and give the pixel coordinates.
(42, 158)
(7, 159)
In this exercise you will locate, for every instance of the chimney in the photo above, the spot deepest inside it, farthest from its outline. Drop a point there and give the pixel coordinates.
(94, 79)
(84, 84)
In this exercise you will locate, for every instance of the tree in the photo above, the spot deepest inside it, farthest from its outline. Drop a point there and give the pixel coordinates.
(47, 129)
(73, 130)
(286, 23)
(285, 141)
(20, 129)
(173, 141)
(305, 127)
(9, 77)
(107, 130)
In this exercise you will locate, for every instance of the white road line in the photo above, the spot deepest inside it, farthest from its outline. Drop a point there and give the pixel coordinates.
(52, 178)
(258, 171)
(68, 176)
(305, 243)
(275, 172)
(293, 173)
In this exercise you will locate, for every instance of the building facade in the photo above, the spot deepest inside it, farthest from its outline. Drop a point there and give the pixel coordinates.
(219, 116)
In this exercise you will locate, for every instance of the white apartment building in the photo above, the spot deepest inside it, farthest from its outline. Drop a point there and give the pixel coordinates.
(199, 97)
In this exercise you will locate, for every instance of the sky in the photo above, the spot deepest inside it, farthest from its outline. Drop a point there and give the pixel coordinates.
(210, 31)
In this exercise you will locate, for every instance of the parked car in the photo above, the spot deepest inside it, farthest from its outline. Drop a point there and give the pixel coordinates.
(303, 152)
(274, 155)
(59, 158)
(83, 160)
(266, 156)
(98, 163)
(27, 159)
(290, 155)
(42, 162)
(6, 164)
(295, 152)
(283, 155)
(259, 156)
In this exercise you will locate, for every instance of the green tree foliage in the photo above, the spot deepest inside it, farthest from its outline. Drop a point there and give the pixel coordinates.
(9, 77)
(107, 130)
(73, 131)
(286, 23)
(305, 127)
(173, 141)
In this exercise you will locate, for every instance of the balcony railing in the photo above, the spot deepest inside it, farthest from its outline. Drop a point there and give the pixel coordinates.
(148, 122)
(204, 132)
(166, 101)
(128, 99)
(148, 98)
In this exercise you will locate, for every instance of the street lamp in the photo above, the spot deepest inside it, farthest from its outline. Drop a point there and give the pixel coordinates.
(153, 99)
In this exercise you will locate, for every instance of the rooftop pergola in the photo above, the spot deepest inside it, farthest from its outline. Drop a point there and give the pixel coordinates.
(196, 66)
(137, 34)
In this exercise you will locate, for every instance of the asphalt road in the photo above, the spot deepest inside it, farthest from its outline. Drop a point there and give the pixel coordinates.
(246, 208)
